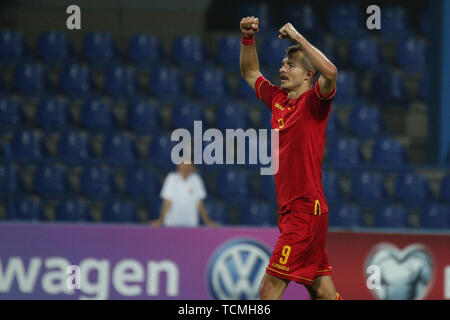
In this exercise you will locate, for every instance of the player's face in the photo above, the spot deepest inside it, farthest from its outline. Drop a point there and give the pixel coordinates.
(292, 73)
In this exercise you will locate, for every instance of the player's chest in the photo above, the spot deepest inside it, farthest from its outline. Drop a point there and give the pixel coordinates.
(287, 115)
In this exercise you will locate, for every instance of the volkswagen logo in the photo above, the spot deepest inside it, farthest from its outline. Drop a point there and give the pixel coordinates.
(404, 274)
(236, 269)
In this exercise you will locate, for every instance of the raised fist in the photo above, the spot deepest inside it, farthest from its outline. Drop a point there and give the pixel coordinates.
(288, 32)
(249, 26)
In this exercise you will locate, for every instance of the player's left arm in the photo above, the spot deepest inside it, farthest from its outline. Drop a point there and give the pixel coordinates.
(328, 71)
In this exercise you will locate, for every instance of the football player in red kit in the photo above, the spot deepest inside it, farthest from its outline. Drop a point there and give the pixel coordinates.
(300, 111)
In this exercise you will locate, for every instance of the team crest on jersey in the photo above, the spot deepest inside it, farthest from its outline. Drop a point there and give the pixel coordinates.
(279, 106)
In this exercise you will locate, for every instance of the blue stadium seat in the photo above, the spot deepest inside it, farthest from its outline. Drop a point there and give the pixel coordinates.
(120, 212)
(99, 49)
(30, 79)
(412, 189)
(260, 10)
(27, 147)
(142, 184)
(268, 188)
(266, 118)
(189, 52)
(231, 115)
(366, 121)
(55, 48)
(233, 185)
(3, 87)
(394, 22)
(392, 85)
(257, 213)
(97, 116)
(72, 211)
(26, 210)
(121, 82)
(425, 22)
(365, 53)
(348, 88)
(332, 188)
(303, 15)
(97, 183)
(119, 149)
(216, 212)
(74, 148)
(12, 47)
(75, 81)
(145, 51)
(424, 89)
(346, 216)
(368, 188)
(10, 181)
(185, 113)
(228, 52)
(435, 216)
(53, 114)
(143, 117)
(246, 92)
(345, 153)
(50, 182)
(210, 84)
(334, 125)
(391, 216)
(272, 53)
(160, 149)
(345, 19)
(11, 114)
(154, 208)
(165, 84)
(412, 54)
(328, 47)
(389, 154)
(445, 188)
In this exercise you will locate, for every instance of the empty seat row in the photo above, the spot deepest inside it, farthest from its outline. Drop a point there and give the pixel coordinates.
(342, 18)
(28, 146)
(210, 84)
(97, 116)
(72, 211)
(368, 188)
(51, 182)
(189, 51)
(252, 213)
(432, 216)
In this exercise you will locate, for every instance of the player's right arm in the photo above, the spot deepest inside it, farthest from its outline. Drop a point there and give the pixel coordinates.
(249, 59)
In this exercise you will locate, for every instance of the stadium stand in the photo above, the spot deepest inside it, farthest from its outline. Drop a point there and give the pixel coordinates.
(88, 119)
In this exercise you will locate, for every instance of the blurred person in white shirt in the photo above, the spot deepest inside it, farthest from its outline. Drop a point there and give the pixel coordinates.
(183, 193)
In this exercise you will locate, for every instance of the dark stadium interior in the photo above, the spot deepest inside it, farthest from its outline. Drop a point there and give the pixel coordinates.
(86, 115)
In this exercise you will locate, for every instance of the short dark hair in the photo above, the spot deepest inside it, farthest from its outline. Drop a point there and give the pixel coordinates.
(306, 63)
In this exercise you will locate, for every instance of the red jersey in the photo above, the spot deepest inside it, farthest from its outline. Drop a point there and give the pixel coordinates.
(302, 125)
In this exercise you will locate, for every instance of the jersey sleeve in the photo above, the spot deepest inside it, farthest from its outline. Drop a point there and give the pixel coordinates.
(168, 188)
(318, 103)
(266, 91)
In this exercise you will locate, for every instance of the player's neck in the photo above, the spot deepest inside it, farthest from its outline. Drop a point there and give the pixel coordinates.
(297, 92)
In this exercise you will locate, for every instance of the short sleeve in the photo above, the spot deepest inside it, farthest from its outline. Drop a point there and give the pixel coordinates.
(266, 91)
(168, 188)
(200, 187)
(318, 103)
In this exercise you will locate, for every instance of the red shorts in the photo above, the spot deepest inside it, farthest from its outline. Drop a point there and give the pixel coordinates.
(299, 254)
